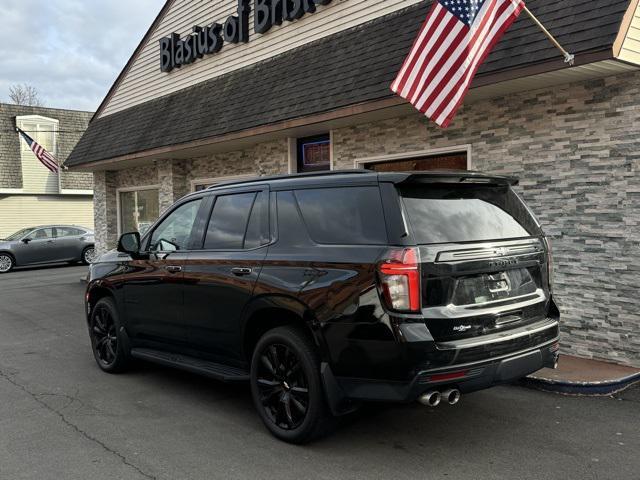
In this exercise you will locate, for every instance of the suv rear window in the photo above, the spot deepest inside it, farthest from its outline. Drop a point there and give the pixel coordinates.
(343, 216)
(460, 213)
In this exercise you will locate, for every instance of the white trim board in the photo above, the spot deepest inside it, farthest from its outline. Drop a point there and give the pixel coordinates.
(361, 162)
(216, 180)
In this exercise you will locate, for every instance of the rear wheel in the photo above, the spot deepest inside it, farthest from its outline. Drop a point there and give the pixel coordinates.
(6, 263)
(286, 386)
(88, 255)
(106, 337)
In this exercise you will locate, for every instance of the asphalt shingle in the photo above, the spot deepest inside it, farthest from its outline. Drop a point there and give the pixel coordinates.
(347, 68)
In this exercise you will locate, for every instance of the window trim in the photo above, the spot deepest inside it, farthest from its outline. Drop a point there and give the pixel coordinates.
(361, 163)
(248, 189)
(38, 119)
(292, 153)
(130, 189)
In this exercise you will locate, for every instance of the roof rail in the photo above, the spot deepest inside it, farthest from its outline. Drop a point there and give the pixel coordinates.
(270, 178)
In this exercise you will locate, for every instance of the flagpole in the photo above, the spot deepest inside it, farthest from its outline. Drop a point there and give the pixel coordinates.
(568, 57)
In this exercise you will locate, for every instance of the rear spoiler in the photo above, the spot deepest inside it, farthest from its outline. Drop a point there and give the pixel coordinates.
(455, 177)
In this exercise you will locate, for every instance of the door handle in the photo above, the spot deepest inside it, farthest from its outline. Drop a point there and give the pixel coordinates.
(240, 271)
(173, 268)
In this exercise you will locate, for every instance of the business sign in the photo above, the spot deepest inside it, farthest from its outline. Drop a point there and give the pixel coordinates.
(176, 52)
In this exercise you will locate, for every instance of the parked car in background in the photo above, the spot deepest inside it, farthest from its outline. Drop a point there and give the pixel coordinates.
(47, 244)
(328, 290)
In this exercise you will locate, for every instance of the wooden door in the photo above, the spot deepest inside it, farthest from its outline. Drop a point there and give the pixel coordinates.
(444, 162)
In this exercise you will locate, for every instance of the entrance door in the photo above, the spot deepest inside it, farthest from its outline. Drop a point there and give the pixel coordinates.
(456, 161)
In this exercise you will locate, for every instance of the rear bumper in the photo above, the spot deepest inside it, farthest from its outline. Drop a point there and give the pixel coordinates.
(467, 378)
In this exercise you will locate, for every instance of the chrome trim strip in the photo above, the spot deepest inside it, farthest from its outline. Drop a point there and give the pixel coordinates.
(498, 250)
(498, 337)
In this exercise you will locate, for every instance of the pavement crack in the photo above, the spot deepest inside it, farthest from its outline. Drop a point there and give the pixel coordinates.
(37, 398)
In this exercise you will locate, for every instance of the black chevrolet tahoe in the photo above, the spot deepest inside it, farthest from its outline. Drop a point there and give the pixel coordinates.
(328, 290)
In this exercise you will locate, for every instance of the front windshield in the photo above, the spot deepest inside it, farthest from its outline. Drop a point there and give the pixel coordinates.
(18, 235)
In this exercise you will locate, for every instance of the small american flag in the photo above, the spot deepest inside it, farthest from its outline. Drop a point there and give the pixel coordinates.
(452, 44)
(45, 157)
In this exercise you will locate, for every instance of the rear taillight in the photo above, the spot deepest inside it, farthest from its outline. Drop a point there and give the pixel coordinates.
(400, 279)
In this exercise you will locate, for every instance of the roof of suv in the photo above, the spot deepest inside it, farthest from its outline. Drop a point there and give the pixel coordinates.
(442, 176)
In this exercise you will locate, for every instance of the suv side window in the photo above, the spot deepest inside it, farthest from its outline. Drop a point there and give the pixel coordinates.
(343, 216)
(238, 221)
(67, 232)
(174, 232)
(42, 234)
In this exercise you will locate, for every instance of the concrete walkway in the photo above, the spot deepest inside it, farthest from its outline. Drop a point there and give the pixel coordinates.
(583, 376)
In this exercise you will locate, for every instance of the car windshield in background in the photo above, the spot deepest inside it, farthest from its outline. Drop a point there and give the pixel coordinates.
(440, 213)
(18, 235)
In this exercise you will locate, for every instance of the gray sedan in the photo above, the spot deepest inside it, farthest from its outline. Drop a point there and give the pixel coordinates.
(47, 244)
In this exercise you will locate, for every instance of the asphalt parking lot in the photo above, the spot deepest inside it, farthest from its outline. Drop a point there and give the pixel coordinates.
(62, 418)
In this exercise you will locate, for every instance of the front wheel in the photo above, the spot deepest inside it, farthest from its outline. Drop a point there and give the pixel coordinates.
(6, 263)
(88, 255)
(287, 388)
(106, 337)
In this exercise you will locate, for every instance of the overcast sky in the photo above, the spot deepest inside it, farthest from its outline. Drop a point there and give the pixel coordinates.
(70, 50)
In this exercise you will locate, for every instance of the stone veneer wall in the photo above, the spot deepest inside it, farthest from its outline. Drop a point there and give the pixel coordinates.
(173, 178)
(576, 149)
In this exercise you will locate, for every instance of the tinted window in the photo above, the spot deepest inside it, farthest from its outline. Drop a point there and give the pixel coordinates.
(68, 232)
(42, 234)
(461, 213)
(258, 228)
(229, 220)
(346, 216)
(175, 231)
(18, 235)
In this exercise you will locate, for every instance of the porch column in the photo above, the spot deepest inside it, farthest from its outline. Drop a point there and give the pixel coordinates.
(105, 211)
(173, 182)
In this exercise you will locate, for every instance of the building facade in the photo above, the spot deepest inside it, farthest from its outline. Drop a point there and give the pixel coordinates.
(30, 194)
(239, 93)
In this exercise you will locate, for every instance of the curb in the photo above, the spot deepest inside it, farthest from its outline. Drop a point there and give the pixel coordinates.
(591, 389)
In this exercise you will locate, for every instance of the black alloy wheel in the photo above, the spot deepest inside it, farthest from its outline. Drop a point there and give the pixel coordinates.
(283, 386)
(106, 343)
(286, 386)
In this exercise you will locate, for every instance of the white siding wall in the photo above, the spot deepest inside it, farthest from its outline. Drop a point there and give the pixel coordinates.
(145, 81)
(630, 51)
(22, 211)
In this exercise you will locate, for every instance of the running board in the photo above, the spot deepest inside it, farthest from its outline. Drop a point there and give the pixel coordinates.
(217, 371)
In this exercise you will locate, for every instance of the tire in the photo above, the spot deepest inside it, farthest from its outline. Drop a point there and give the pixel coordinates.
(107, 342)
(286, 386)
(6, 263)
(88, 255)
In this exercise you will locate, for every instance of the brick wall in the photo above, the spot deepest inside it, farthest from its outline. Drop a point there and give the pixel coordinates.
(71, 126)
(576, 149)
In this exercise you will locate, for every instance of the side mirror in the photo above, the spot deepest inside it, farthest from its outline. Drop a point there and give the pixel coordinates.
(26, 240)
(129, 243)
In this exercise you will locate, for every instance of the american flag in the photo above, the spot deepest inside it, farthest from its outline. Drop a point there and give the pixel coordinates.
(45, 157)
(452, 44)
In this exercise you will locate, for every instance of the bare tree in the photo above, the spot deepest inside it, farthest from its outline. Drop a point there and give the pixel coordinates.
(25, 95)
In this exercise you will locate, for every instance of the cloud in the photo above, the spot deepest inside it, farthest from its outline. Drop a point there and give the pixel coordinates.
(70, 50)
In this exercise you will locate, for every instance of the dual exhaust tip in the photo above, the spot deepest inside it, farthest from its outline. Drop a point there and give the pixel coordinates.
(434, 397)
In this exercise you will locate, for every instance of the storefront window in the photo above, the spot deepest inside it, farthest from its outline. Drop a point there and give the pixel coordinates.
(314, 153)
(138, 210)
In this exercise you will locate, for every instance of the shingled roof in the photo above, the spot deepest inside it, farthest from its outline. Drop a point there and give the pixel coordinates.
(347, 68)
